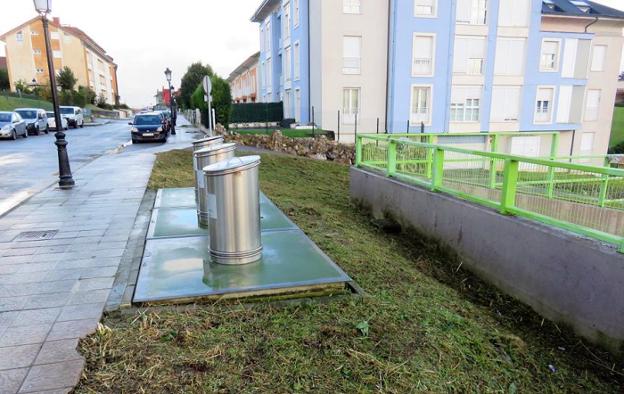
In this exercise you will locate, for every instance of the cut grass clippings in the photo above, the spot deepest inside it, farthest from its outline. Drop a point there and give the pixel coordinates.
(424, 325)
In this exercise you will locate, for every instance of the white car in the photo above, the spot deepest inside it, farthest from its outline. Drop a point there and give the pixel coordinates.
(52, 122)
(35, 119)
(74, 116)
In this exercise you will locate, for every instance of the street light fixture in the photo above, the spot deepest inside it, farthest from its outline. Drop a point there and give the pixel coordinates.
(173, 115)
(66, 181)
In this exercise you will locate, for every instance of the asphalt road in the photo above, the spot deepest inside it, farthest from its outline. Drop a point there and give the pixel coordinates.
(29, 165)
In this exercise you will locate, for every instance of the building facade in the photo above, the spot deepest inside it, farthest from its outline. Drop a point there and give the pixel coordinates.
(446, 66)
(71, 47)
(243, 81)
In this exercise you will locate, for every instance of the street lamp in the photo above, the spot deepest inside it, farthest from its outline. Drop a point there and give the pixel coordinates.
(66, 181)
(173, 115)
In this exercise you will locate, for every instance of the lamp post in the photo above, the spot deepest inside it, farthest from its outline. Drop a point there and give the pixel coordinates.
(66, 181)
(168, 76)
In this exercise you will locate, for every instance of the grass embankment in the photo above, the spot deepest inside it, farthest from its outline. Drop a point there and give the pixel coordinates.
(8, 103)
(425, 323)
(617, 131)
(292, 133)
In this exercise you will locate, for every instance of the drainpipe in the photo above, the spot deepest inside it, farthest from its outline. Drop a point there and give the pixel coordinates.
(309, 66)
(591, 24)
(388, 63)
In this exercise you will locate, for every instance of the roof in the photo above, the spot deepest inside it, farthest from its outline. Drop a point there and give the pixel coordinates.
(579, 8)
(84, 37)
(264, 10)
(247, 64)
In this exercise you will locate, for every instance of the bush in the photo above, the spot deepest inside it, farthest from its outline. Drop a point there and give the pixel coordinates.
(66, 79)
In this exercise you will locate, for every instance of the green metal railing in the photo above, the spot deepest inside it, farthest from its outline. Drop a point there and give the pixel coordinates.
(588, 200)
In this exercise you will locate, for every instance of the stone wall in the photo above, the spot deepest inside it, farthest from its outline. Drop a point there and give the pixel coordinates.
(319, 148)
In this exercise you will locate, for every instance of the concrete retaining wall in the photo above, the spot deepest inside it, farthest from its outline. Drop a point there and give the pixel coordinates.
(564, 277)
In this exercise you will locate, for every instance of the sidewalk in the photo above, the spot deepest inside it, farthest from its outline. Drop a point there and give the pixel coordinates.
(59, 255)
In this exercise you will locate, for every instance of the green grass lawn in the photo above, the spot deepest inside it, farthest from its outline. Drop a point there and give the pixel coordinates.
(292, 133)
(424, 325)
(617, 131)
(8, 103)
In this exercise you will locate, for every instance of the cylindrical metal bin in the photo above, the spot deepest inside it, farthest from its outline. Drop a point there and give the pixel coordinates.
(205, 157)
(198, 145)
(234, 210)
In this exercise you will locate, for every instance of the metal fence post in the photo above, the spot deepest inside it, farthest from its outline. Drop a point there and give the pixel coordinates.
(437, 175)
(407, 129)
(358, 151)
(510, 183)
(392, 158)
(429, 157)
(339, 126)
(604, 187)
(313, 122)
(493, 172)
(356, 119)
(554, 150)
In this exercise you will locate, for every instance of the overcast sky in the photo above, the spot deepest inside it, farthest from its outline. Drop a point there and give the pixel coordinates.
(146, 36)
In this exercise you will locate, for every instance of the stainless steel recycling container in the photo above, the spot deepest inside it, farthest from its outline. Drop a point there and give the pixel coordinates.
(205, 157)
(234, 210)
(198, 145)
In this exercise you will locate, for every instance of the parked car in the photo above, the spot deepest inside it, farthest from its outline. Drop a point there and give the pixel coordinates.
(74, 116)
(36, 120)
(152, 126)
(12, 125)
(52, 121)
(167, 115)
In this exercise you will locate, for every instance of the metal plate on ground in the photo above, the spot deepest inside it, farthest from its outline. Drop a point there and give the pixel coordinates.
(178, 270)
(175, 198)
(181, 221)
(36, 235)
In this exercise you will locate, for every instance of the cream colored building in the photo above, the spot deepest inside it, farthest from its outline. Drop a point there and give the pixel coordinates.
(71, 47)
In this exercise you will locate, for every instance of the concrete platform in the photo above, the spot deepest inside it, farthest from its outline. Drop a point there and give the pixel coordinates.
(176, 267)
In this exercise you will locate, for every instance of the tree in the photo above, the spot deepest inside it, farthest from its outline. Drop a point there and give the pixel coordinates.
(101, 101)
(23, 87)
(66, 79)
(4, 80)
(88, 93)
(221, 99)
(193, 77)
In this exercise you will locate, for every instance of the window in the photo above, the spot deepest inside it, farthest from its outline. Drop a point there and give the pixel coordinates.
(465, 104)
(599, 54)
(268, 75)
(509, 56)
(472, 12)
(564, 103)
(351, 6)
(426, 8)
(550, 55)
(267, 36)
(592, 105)
(587, 142)
(55, 35)
(39, 71)
(287, 105)
(19, 36)
(350, 104)
(505, 104)
(543, 105)
(351, 54)
(422, 55)
(57, 54)
(36, 51)
(298, 105)
(421, 105)
(469, 55)
(262, 40)
(297, 56)
(286, 20)
(296, 15)
(34, 33)
(514, 13)
(287, 72)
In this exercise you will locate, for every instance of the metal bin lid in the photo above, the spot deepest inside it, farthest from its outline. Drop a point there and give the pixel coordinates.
(215, 149)
(234, 164)
(208, 139)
